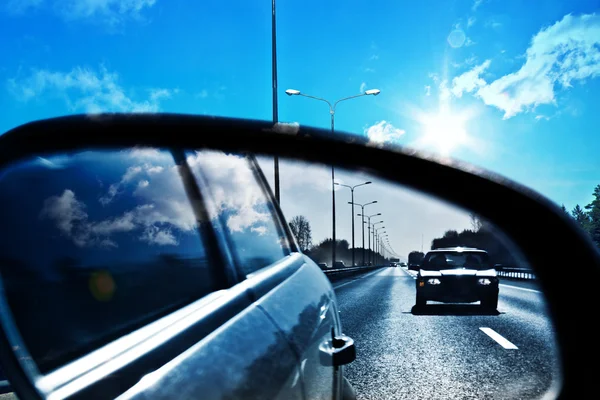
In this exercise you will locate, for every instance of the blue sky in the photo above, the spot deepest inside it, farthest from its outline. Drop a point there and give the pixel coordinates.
(510, 85)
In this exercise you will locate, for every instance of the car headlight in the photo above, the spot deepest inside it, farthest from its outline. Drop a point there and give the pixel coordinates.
(433, 281)
(484, 281)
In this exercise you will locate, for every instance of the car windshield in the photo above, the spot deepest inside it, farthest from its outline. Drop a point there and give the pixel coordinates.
(438, 261)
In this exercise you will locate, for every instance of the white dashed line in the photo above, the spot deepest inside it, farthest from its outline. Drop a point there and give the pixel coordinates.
(498, 338)
(520, 288)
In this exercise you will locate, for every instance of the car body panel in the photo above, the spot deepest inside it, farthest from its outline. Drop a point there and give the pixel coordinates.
(304, 307)
(245, 358)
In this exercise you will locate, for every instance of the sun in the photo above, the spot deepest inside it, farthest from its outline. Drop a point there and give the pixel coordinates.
(444, 130)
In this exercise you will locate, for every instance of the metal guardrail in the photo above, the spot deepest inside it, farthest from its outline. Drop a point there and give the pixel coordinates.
(349, 269)
(516, 273)
(333, 274)
(507, 272)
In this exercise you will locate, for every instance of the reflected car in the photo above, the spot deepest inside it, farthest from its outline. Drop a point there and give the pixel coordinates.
(457, 275)
(108, 227)
(322, 265)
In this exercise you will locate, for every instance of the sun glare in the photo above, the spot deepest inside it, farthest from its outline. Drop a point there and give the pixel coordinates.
(444, 131)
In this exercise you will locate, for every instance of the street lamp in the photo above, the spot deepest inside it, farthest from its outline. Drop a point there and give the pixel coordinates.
(352, 202)
(375, 238)
(372, 230)
(363, 228)
(294, 92)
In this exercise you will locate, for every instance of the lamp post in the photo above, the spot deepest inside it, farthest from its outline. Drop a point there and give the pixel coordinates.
(373, 230)
(362, 206)
(294, 92)
(377, 241)
(363, 230)
(352, 215)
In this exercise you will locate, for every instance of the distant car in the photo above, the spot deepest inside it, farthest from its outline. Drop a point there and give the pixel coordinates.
(339, 264)
(403, 264)
(322, 265)
(393, 264)
(457, 275)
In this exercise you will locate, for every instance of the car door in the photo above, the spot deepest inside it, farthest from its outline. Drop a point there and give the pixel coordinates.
(130, 292)
(288, 286)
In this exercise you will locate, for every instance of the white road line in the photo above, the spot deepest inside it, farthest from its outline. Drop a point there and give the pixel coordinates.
(498, 338)
(520, 288)
(357, 279)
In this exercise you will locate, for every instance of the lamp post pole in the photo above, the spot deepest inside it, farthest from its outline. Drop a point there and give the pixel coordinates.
(363, 226)
(293, 92)
(352, 202)
(373, 230)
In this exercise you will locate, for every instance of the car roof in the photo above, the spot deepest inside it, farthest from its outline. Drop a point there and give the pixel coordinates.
(457, 249)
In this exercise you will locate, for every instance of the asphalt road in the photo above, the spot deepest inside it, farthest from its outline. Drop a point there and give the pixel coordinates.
(448, 351)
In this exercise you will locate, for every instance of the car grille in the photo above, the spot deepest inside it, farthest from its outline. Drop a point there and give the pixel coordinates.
(459, 285)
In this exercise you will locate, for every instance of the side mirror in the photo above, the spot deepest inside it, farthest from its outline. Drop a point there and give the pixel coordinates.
(69, 324)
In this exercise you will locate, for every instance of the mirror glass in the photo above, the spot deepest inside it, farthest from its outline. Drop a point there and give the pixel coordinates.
(99, 245)
(445, 349)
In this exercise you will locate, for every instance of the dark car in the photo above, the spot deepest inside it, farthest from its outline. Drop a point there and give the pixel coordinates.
(457, 275)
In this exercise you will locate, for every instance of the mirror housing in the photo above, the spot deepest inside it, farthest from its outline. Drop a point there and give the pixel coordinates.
(485, 193)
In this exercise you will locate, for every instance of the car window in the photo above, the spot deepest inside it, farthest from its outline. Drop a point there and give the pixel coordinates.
(120, 248)
(450, 260)
(243, 208)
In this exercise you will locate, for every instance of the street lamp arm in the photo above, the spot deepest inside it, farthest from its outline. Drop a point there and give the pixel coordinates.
(348, 186)
(362, 184)
(331, 108)
(347, 98)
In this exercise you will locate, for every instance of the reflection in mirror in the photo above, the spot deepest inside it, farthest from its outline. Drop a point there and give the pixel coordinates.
(452, 310)
(100, 243)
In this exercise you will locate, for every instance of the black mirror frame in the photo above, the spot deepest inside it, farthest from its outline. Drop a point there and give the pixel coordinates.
(550, 240)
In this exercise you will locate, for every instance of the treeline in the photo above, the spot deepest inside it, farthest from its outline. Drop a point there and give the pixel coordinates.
(589, 216)
(343, 252)
(481, 236)
(321, 252)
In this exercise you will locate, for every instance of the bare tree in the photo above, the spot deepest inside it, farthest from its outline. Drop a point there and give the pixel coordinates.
(301, 229)
(476, 222)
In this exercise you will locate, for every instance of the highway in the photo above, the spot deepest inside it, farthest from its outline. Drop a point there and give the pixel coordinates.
(448, 351)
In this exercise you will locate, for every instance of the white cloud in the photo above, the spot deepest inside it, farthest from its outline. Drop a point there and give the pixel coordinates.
(261, 230)
(374, 57)
(369, 70)
(162, 207)
(65, 210)
(476, 4)
(469, 81)
(471, 21)
(566, 52)
(203, 94)
(383, 132)
(112, 12)
(427, 90)
(363, 86)
(233, 188)
(156, 235)
(84, 89)
(469, 42)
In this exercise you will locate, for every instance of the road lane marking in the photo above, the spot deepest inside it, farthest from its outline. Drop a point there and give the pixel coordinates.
(498, 338)
(357, 279)
(520, 288)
